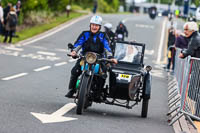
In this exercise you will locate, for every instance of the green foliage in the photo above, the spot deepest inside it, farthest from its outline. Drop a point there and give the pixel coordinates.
(58, 5)
(197, 3)
(108, 6)
(29, 5)
(115, 5)
(5, 2)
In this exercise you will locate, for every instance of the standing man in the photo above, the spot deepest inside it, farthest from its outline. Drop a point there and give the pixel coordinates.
(190, 30)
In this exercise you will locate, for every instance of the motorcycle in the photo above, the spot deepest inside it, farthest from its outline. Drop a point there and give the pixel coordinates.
(128, 80)
(90, 84)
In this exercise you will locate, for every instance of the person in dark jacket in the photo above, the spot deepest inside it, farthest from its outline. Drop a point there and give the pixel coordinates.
(11, 23)
(181, 41)
(122, 31)
(190, 30)
(89, 41)
(171, 36)
(109, 32)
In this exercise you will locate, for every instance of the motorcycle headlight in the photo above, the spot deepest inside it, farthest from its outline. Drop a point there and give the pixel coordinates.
(91, 58)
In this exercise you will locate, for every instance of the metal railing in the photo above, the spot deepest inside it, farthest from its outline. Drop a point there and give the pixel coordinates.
(184, 89)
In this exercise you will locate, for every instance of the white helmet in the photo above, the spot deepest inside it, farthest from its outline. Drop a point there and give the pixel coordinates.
(108, 26)
(96, 20)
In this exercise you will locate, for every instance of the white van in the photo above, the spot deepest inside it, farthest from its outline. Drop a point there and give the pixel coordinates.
(198, 13)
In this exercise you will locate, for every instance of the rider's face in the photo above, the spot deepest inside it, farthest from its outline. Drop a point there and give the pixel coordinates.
(94, 28)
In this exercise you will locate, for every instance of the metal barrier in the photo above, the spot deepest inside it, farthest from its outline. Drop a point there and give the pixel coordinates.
(184, 89)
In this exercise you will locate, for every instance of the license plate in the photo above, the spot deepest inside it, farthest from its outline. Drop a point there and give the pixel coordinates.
(125, 76)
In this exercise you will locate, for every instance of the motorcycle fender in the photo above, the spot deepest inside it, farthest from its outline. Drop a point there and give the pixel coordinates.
(147, 86)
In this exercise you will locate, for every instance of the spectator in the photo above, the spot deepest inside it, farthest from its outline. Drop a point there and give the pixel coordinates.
(171, 57)
(1, 20)
(190, 30)
(95, 6)
(6, 11)
(10, 25)
(171, 36)
(68, 8)
(18, 8)
(181, 41)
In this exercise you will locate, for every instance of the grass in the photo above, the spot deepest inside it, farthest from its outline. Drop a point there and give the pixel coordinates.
(32, 31)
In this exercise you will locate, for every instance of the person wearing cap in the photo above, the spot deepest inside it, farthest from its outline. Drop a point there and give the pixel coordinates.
(89, 41)
(191, 32)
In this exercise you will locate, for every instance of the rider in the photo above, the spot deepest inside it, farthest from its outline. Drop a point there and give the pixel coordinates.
(121, 29)
(110, 34)
(108, 31)
(89, 41)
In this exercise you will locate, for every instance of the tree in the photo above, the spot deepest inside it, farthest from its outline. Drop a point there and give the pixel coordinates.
(58, 5)
(29, 5)
(196, 2)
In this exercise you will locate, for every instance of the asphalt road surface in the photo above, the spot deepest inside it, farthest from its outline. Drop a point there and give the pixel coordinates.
(34, 79)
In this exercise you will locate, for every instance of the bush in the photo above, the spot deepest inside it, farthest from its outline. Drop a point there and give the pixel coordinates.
(108, 6)
(38, 17)
(76, 7)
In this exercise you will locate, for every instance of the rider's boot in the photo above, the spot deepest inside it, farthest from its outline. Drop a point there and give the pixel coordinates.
(72, 85)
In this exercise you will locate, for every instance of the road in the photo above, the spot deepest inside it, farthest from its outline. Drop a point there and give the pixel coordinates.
(34, 78)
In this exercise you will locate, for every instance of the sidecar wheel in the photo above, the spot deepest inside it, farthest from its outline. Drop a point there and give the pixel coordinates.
(82, 95)
(145, 104)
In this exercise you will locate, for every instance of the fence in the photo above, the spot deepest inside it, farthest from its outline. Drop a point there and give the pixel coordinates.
(184, 89)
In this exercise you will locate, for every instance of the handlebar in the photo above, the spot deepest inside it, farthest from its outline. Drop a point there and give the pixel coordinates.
(105, 59)
(75, 57)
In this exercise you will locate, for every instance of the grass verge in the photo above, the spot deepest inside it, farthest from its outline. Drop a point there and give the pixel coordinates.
(32, 31)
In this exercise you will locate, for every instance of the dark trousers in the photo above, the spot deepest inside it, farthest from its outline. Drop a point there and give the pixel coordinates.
(10, 34)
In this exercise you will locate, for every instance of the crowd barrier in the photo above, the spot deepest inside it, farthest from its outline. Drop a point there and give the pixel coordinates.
(184, 89)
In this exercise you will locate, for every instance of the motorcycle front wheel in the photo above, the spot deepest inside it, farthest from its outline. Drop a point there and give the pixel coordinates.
(82, 94)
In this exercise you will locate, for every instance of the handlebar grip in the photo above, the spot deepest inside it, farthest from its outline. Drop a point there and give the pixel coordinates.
(69, 55)
(74, 57)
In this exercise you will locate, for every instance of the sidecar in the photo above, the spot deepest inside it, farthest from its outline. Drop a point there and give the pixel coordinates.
(129, 80)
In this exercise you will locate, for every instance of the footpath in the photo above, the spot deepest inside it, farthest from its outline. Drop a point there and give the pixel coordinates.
(182, 125)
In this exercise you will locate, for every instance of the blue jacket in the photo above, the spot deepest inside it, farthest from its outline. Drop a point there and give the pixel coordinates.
(84, 37)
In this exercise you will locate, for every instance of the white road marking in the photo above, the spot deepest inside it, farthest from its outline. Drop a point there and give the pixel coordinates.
(46, 53)
(62, 50)
(60, 64)
(161, 41)
(15, 76)
(56, 116)
(144, 26)
(149, 52)
(42, 68)
(38, 47)
(13, 48)
(64, 109)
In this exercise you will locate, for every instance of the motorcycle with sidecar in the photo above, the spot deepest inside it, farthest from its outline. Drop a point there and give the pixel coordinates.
(129, 81)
